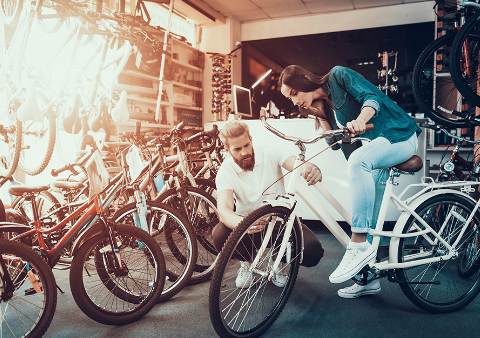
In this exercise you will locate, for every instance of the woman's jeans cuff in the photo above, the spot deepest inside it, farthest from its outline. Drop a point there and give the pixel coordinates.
(360, 230)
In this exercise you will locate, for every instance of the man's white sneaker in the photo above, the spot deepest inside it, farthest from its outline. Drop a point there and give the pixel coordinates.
(357, 290)
(279, 279)
(244, 276)
(352, 262)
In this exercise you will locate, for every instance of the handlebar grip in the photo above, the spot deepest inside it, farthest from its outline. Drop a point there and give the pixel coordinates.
(180, 125)
(369, 126)
(137, 129)
(55, 172)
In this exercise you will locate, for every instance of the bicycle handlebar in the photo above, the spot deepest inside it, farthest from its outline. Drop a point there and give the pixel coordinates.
(438, 128)
(212, 135)
(344, 132)
(88, 140)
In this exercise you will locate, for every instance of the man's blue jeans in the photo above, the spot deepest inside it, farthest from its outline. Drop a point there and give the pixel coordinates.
(367, 168)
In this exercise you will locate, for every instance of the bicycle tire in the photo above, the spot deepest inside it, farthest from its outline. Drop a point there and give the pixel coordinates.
(27, 313)
(470, 257)
(467, 83)
(11, 135)
(423, 82)
(49, 24)
(208, 186)
(454, 291)
(40, 138)
(176, 239)
(101, 303)
(202, 221)
(10, 11)
(260, 302)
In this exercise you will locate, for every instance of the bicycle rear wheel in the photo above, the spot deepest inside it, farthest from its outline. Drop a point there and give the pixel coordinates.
(142, 276)
(29, 312)
(39, 141)
(10, 133)
(201, 211)
(446, 214)
(10, 11)
(465, 59)
(176, 239)
(247, 309)
(434, 86)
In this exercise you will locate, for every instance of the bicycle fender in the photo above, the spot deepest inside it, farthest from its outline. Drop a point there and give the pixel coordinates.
(402, 220)
(96, 229)
(277, 203)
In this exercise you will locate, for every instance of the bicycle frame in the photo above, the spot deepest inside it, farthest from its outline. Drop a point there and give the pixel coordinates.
(406, 207)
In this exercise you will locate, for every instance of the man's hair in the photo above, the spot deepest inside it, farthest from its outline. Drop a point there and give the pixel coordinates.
(233, 129)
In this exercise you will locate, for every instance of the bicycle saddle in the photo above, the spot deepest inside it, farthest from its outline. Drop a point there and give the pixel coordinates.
(101, 120)
(414, 164)
(71, 123)
(67, 185)
(19, 190)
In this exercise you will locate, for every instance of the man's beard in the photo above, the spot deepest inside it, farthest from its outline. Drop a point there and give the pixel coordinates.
(247, 162)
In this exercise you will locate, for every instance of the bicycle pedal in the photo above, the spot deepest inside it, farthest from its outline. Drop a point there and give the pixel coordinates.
(31, 291)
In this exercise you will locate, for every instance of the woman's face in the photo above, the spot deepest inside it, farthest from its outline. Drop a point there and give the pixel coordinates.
(300, 99)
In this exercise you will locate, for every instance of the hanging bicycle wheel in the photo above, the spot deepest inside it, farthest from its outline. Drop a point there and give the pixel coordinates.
(201, 211)
(432, 85)
(29, 311)
(176, 239)
(10, 133)
(10, 11)
(244, 301)
(131, 290)
(38, 140)
(440, 287)
(49, 18)
(465, 60)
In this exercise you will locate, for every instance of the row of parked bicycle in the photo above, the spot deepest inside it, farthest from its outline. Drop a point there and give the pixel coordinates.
(139, 241)
(58, 75)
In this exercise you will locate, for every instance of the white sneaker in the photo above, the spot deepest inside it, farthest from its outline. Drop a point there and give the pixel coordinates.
(357, 290)
(352, 262)
(279, 278)
(244, 276)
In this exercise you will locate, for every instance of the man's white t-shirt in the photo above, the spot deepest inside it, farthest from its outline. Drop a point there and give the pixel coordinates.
(248, 186)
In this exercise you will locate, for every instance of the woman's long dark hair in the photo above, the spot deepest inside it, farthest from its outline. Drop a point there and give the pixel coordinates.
(300, 79)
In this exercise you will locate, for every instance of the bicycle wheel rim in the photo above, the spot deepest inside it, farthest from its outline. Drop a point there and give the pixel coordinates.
(434, 94)
(249, 309)
(176, 240)
(28, 313)
(10, 11)
(454, 291)
(122, 294)
(11, 135)
(465, 50)
(39, 140)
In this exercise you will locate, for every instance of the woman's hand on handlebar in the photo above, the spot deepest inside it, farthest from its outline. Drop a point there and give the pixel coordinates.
(356, 127)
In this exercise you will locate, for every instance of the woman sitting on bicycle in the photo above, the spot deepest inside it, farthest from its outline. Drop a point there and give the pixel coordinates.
(356, 102)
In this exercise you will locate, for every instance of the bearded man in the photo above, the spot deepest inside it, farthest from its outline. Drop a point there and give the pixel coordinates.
(240, 182)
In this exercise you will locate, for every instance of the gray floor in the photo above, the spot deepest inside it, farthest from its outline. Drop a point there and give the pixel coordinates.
(314, 310)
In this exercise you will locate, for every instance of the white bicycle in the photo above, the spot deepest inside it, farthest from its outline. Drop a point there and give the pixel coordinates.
(432, 253)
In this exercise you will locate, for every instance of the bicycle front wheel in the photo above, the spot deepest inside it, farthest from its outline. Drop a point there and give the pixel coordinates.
(440, 287)
(200, 209)
(435, 94)
(29, 311)
(176, 239)
(465, 59)
(246, 303)
(131, 290)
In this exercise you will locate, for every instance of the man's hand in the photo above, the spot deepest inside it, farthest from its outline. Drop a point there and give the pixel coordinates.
(312, 174)
(258, 225)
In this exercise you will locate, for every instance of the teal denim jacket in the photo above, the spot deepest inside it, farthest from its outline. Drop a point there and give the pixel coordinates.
(350, 92)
